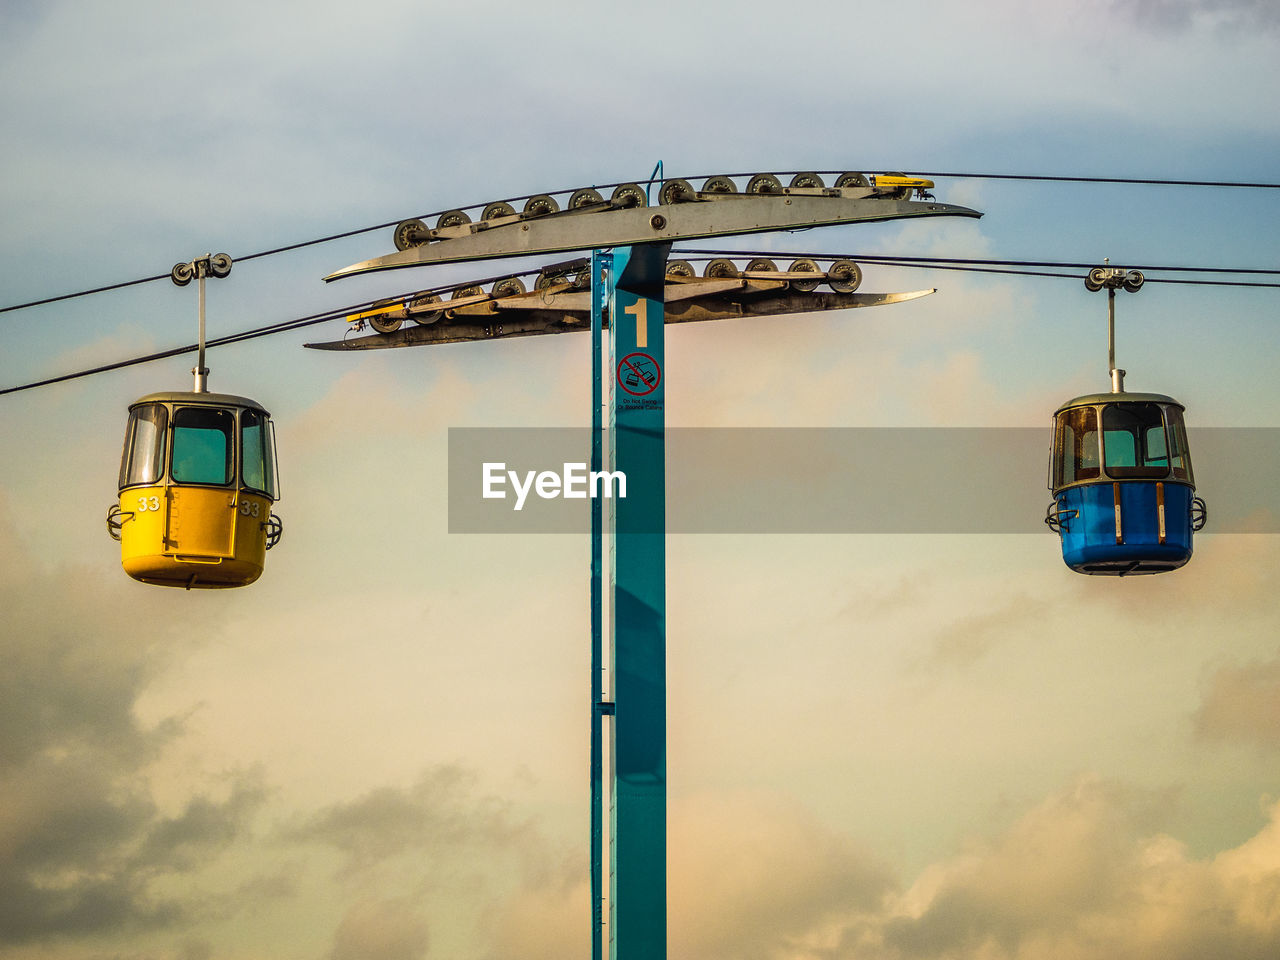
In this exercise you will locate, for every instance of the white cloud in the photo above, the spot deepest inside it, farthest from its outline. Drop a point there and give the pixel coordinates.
(85, 849)
(1082, 877)
(752, 874)
(1243, 704)
(380, 930)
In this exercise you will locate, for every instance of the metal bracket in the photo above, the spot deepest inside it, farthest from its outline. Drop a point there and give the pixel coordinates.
(563, 310)
(1199, 514)
(1113, 279)
(275, 530)
(1057, 519)
(1119, 527)
(210, 265)
(116, 519)
(707, 215)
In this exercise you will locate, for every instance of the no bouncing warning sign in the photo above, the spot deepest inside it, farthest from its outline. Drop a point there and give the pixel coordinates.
(639, 374)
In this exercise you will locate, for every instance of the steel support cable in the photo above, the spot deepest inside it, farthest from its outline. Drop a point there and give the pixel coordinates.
(84, 293)
(382, 226)
(1144, 181)
(964, 266)
(694, 252)
(967, 265)
(1064, 276)
(301, 322)
(253, 334)
(165, 276)
(190, 348)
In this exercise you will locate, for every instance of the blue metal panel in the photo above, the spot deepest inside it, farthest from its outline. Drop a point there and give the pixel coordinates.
(638, 907)
(1089, 537)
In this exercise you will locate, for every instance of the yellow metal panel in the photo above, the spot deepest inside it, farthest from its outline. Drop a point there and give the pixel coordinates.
(144, 514)
(186, 536)
(202, 523)
(884, 181)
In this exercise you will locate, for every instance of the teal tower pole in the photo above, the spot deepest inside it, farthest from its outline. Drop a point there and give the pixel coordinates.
(601, 270)
(638, 612)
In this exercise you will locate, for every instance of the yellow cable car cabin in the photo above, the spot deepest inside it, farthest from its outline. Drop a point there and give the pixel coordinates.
(197, 481)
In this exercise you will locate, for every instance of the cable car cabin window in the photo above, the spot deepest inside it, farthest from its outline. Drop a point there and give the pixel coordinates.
(1179, 458)
(1076, 446)
(202, 445)
(1157, 454)
(257, 458)
(1133, 441)
(143, 458)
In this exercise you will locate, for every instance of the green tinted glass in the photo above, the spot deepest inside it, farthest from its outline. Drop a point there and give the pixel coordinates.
(202, 443)
(143, 458)
(1133, 441)
(257, 462)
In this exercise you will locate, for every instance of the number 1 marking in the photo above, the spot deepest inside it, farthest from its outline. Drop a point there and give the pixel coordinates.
(642, 326)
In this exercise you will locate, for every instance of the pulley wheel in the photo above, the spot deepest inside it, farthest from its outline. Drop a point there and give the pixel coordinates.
(510, 287)
(764, 183)
(181, 274)
(721, 268)
(763, 265)
(499, 208)
(851, 180)
(541, 205)
(682, 269)
(629, 195)
(452, 218)
(845, 276)
(807, 180)
(676, 191)
(805, 265)
(545, 280)
(719, 185)
(428, 317)
(411, 233)
(382, 322)
(471, 291)
(1096, 279)
(1133, 281)
(220, 265)
(584, 197)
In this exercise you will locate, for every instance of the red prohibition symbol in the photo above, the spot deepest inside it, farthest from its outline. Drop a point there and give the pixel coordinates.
(639, 374)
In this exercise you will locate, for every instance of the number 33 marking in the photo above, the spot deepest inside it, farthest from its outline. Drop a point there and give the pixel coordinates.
(148, 503)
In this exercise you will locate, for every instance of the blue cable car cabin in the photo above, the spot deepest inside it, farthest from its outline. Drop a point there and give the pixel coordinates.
(1123, 490)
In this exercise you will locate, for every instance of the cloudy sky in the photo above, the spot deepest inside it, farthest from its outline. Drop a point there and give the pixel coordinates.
(883, 747)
